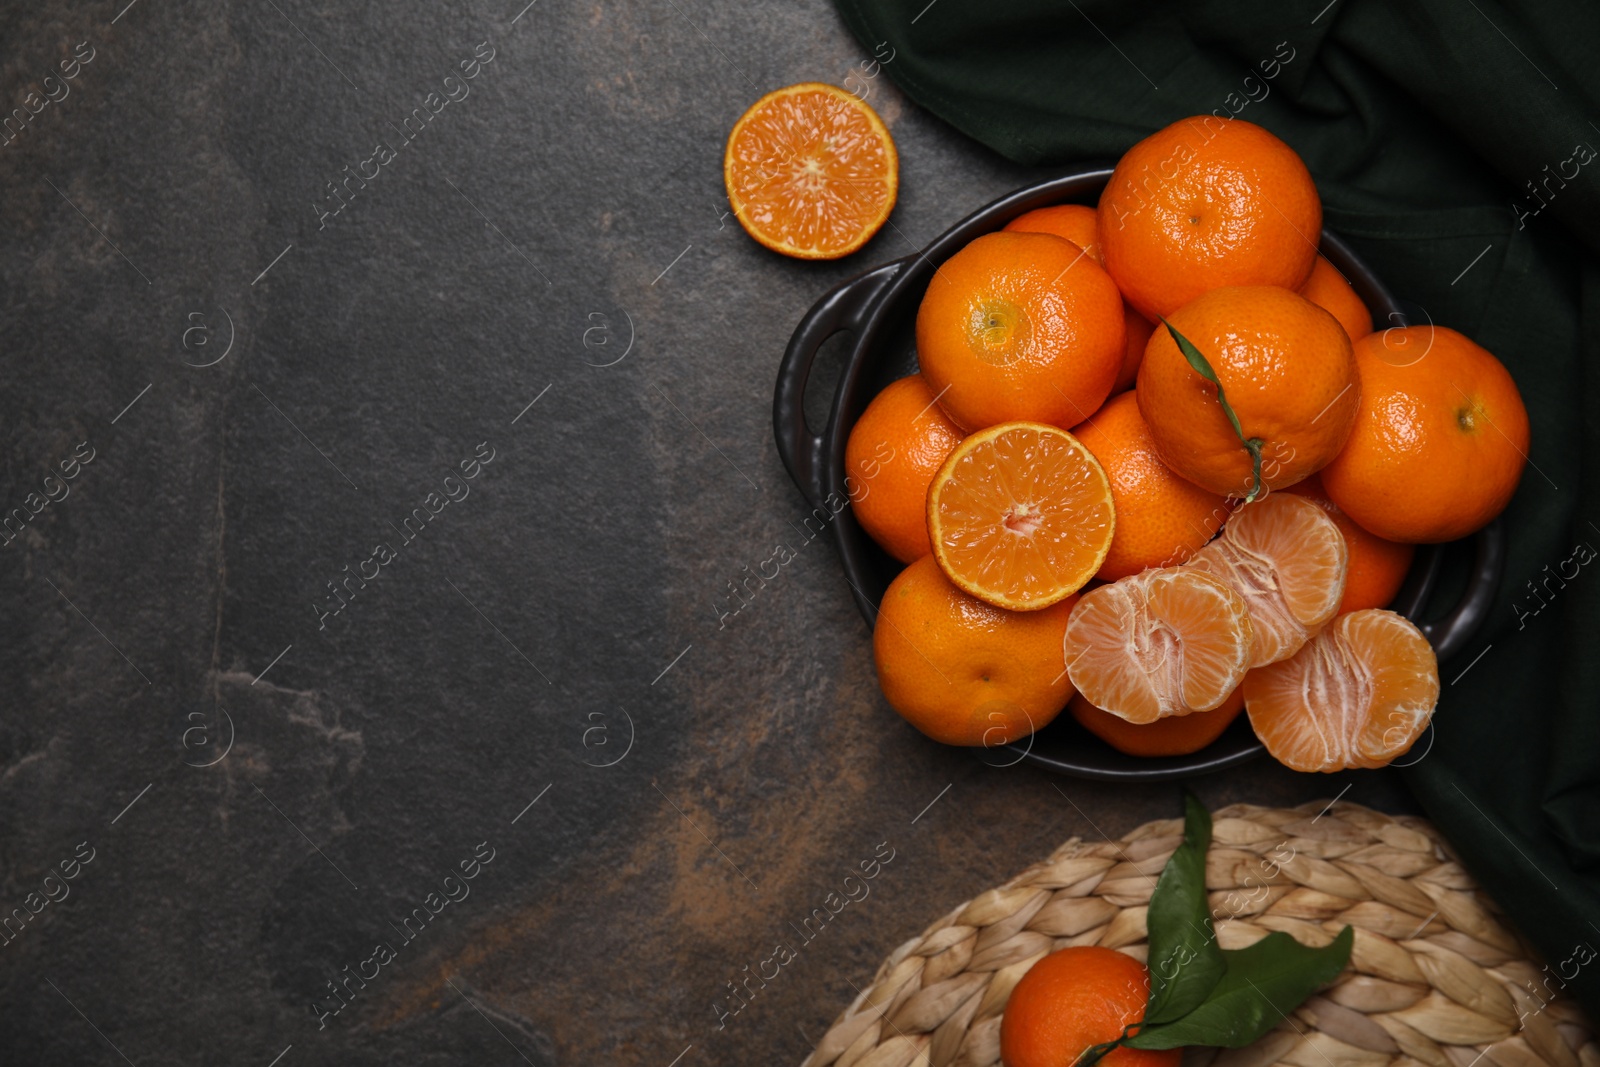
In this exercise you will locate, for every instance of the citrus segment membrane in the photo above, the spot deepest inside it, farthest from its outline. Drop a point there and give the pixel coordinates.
(1020, 515)
(811, 171)
(1166, 641)
(1358, 694)
(1288, 560)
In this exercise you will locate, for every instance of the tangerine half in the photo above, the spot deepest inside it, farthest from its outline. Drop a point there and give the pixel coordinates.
(1166, 641)
(1358, 694)
(811, 171)
(1020, 515)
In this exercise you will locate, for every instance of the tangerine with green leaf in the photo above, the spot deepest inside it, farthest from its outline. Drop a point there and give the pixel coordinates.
(1072, 1000)
(1286, 370)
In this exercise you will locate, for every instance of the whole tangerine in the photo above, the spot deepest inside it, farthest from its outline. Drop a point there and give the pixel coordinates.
(1206, 203)
(893, 452)
(1162, 519)
(1020, 327)
(1073, 999)
(965, 672)
(1175, 735)
(1329, 289)
(1439, 441)
(1286, 370)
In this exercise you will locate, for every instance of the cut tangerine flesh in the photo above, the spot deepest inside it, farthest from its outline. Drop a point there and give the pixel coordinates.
(1020, 515)
(811, 171)
(1358, 694)
(1288, 561)
(1166, 641)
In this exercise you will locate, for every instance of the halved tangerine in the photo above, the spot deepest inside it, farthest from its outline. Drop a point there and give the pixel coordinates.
(811, 171)
(1288, 561)
(1020, 515)
(1166, 641)
(1358, 694)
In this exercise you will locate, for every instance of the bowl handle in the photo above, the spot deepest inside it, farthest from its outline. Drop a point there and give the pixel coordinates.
(843, 309)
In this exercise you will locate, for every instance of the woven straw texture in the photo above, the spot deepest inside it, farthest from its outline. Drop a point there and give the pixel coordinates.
(1435, 978)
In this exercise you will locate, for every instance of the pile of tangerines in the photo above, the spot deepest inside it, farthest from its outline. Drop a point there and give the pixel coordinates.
(1156, 466)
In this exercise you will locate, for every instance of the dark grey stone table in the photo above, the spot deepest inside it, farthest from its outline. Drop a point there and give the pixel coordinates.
(385, 415)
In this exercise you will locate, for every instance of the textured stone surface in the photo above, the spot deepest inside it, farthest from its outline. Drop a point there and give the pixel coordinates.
(558, 234)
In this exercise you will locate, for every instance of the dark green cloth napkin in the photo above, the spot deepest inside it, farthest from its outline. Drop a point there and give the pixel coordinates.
(1456, 144)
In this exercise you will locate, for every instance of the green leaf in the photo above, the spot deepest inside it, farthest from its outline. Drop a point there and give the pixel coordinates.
(1259, 987)
(1202, 367)
(1185, 960)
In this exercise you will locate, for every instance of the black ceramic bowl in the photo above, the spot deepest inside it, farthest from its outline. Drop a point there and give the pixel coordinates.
(878, 311)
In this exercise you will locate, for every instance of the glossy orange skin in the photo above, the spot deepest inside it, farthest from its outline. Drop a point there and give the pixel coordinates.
(962, 671)
(1072, 999)
(1176, 735)
(1286, 367)
(1020, 327)
(1139, 330)
(1328, 289)
(1077, 223)
(1377, 567)
(894, 449)
(811, 171)
(1440, 437)
(1207, 203)
(1162, 519)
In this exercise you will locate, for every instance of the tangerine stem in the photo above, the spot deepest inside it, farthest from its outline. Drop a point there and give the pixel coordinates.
(1202, 366)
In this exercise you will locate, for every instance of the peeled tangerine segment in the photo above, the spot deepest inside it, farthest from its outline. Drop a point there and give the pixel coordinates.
(1288, 560)
(1358, 694)
(1166, 641)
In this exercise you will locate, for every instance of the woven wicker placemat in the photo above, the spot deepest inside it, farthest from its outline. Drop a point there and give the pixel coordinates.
(1435, 978)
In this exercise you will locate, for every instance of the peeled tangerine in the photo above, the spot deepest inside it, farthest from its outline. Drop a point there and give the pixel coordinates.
(1166, 641)
(1287, 559)
(1358, 694)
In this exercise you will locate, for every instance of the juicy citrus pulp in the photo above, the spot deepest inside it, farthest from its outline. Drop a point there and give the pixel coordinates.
(1285, 557)
(1020, 515)
(1357, 695)
(811, 171)
(1167, 641)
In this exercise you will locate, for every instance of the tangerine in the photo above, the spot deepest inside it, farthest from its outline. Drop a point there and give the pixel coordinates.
(1358, 694)
(1332, 291)
(965, 672)
(1073, 999)
(1077, 223)
(1287, 560)
(1020, 326)
(1166, 641)
(1176, 735)
(895, 447)
(1203, 204)
(1286, 370)
(1377, 567)
(811, 171)
(1439, 441)
(1162, 519)
(1020, 515)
